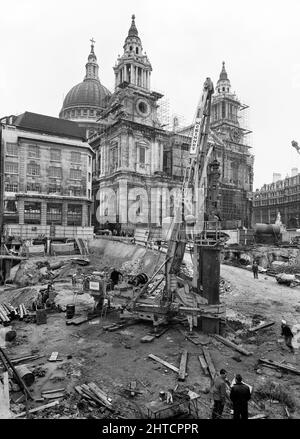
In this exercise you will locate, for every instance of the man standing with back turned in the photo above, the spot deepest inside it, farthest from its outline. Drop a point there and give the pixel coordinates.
(240, 395)
(219, 395)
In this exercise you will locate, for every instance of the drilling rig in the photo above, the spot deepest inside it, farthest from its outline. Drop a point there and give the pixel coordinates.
(196, 298)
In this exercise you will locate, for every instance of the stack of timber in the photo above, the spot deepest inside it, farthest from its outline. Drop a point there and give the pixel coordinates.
(9, 313)
(94, 395)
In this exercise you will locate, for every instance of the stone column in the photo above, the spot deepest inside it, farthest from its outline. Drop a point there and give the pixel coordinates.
(123, 202)
(65, 213)
(21, 211)
(84, 217)
(43, 213)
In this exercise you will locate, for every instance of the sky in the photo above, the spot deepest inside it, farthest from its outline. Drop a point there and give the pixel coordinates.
(45, 45)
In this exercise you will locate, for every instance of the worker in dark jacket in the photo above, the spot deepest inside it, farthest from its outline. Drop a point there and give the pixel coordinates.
(240, 395)
(288, 335)
(255, 269)
(115, 277)
(219, 394)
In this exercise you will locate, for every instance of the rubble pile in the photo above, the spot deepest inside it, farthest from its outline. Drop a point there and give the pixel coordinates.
(132, 268)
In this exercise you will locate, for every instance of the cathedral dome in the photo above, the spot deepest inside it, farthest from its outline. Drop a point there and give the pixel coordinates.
(86, 99)
(89, 92)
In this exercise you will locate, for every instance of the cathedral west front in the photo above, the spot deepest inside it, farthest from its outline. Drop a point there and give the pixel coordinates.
(138, 165)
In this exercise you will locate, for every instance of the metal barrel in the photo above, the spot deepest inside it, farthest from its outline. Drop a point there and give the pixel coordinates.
(70, 311)
(26, 375)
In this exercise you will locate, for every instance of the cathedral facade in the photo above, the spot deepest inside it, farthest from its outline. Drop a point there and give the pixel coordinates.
(138, 165)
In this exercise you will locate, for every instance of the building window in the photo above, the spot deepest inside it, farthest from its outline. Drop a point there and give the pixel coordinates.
(75, 174)
(12, 149)
(55, 172)
(11, 167)
(54, 213)
(33, 169)
(167, 162)
(114, 158)
(55, 155)
(33, 187)
(99, 163)
(223, 110)
(73, 113)
(85, 112)
(75, 191)
(54, 189)
(137, 50)
(74, 215)
(90, 160)
(75, 157)
(33, 152)
(32, 213)
(89, 177)
(89, 193)
(11, 187)
(92, 112)
(142, 155)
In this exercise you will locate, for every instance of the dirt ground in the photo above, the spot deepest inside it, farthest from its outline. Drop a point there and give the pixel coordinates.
(113, 359)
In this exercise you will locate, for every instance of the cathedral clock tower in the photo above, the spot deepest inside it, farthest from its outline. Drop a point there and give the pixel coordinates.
(235, 159)
(132, 98)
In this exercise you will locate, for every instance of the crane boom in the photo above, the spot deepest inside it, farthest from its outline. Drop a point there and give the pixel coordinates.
(195, 176)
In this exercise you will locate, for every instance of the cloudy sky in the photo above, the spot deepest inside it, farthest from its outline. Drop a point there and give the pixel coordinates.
(45, 44)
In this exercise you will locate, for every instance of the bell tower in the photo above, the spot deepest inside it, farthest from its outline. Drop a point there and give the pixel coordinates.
(133, 66)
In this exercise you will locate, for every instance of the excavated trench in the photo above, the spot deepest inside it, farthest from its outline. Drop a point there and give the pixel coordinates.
(112, 360)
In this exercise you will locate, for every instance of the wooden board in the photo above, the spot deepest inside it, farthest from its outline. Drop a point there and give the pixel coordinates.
(232, 345)
(271, 363)
(53, 395)
(147, 338)
(203, 364)
(262, 326)
(209, 362)
(53, 356)
(182, 367)
(100, 394)
(37, 409)
(164, 363)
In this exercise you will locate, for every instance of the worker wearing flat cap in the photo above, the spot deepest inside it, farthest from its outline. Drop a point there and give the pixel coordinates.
(288, 335)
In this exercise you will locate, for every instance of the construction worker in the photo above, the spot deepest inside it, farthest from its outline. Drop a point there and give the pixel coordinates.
(255, 269)
(288, 335)
(240, 395)
(219, 394)
(115, 277)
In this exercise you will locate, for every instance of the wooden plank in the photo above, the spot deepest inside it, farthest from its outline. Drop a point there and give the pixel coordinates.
(164, 363)
(28, 358)
(62, 389)
(279, 365)
(53, 395)
(262, 326)
(147, 338)
(158, 334)
(38, 409)
(209, 362)
(232, 345)
(53, 356)
(203, 365)
(262, 416)
(182, 367)
(100, 394)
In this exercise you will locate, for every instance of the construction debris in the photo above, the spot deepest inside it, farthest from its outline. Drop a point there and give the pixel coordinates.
(37, 409)
(232, 345)
(164, 363)
(262, 326)
(209, 362)
(275, 364)
(182, 367)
